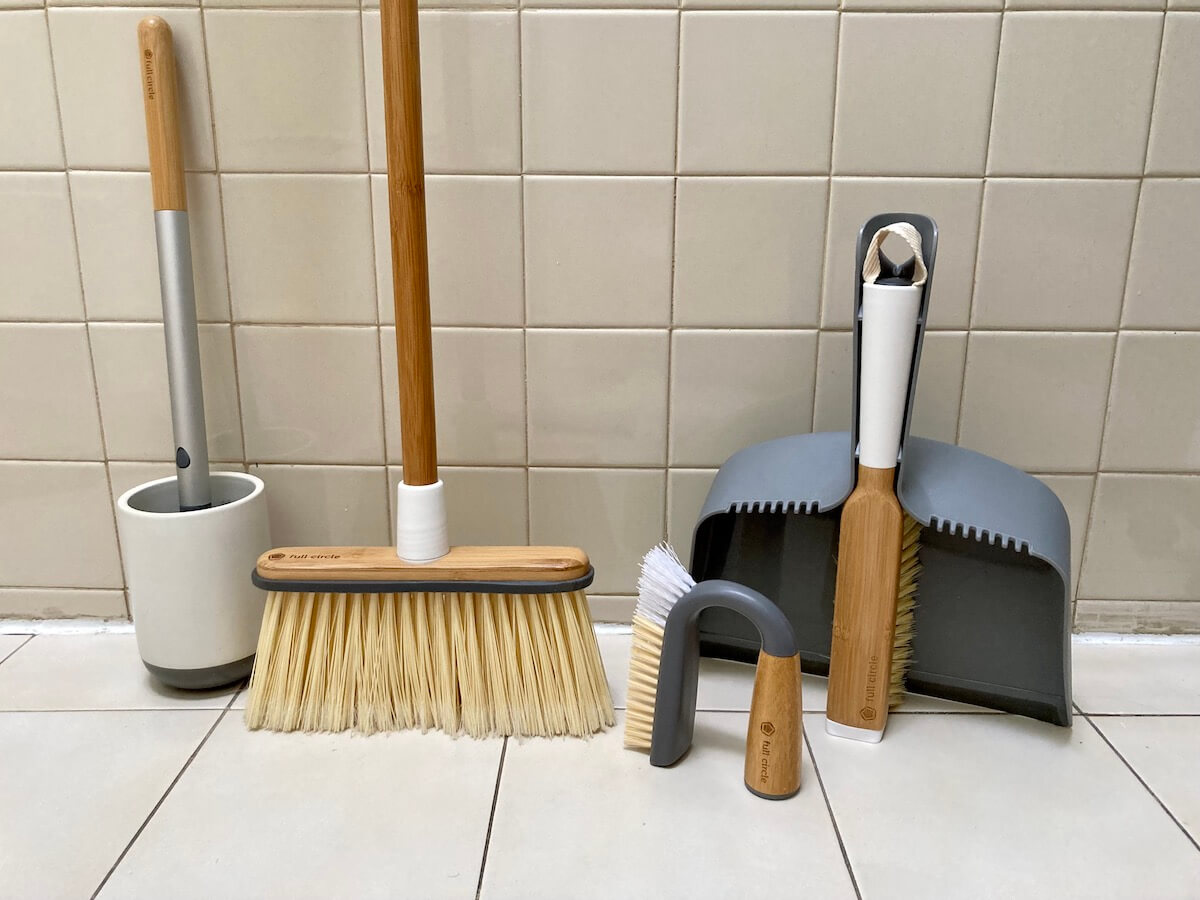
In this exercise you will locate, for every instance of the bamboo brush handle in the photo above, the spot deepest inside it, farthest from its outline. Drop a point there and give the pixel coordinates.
(410, 259)
(160, 94)
(774, 735)
(864, 612)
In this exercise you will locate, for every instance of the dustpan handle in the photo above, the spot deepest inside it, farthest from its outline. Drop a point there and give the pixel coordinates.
(410, 255)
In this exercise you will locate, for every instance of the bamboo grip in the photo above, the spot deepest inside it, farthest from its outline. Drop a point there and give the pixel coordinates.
(773, 738)
(410, 261)
(160, 94)
(864, 612)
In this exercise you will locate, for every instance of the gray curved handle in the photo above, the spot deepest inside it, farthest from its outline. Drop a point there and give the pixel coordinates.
(679, 664)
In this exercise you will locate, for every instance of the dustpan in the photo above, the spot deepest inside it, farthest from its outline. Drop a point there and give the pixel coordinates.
(992, 622)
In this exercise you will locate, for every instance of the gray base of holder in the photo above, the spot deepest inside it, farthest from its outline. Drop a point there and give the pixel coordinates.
(203, 679)
(992, 622)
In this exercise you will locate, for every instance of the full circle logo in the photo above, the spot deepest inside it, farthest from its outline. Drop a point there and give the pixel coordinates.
(767, 728)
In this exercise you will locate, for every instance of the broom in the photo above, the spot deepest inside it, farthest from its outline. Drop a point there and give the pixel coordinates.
(482, 640)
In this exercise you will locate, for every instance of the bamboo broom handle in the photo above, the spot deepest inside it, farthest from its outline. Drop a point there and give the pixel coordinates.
(410, 261)
(160, 93)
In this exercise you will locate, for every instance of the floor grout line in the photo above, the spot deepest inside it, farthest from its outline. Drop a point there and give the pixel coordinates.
(1187, 834)
(832, 818)
(7, 655)
(487, 840)
(161, 800)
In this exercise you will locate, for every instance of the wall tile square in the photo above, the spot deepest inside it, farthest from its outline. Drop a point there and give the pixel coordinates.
(50, 603)
(1154, 418)
(21, 4)
(238, 4)
(479, 378)
(1085, 5)
(326, 505)
(597, 397)
(1142, 544)
(598, 91)
(476, 271)
(598, 250)
(47, 396)
(756, 92)
(287, 90)
(1175, 128)
(29, 133)
(615, 515)
(310, 394)
(114, 224)
(1073, 93)
(1075, 492)
(949, 59)
(939, 384)
(131, 376)
(761, 4)
(37, 248)
(951, 202)
(95, 50)
(48, 506)
(1138, 616)
(1159, 292)
(687, 490)
(1052, 253)
(733, 389)
(748, 251)
(1009, 413)
(300, 248)
(485, 506)
(470, 91)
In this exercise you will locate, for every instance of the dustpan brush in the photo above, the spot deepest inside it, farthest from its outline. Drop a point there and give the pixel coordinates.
(878, 564)
(481, 640)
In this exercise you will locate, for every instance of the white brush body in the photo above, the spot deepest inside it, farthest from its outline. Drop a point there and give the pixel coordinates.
(889, 329)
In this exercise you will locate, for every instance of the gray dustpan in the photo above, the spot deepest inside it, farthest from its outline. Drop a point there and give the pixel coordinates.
(992, 620)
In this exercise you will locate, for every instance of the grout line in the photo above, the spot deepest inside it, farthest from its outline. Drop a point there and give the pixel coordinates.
(162, 799)
(1155, 715)
(237, 382)
(487, 840)
(7, 655)
(832, 818)
(87, 326)
(1187, 834)
(670, 385)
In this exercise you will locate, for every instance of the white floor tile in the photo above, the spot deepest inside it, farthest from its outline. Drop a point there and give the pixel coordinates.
(1136, 678)
(295, 815)
(1163, 751)
(75, 787)
(91, 671)
(9, 643)
(585, 819)
(998, 806)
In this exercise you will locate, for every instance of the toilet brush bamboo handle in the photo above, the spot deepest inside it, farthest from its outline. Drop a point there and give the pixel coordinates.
(160, 93)
(773, 737)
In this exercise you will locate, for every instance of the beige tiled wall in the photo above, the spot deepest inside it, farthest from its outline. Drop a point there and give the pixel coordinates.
(642, 216)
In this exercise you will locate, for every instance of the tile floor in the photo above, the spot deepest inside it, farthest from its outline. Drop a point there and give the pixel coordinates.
(113, 787)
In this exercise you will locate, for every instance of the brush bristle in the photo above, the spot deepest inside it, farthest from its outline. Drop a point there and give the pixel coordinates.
(906, 602)
(663, 581)
(480, 664)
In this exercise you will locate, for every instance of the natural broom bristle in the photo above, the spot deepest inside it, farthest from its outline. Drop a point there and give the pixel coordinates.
(906, 602)
(663, 581)
(480, 664)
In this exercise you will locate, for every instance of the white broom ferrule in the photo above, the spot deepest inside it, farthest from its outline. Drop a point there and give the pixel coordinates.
(421, 522)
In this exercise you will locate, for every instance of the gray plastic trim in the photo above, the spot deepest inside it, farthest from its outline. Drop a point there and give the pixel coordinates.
(203, 679)
(679, 663)
(414, 587)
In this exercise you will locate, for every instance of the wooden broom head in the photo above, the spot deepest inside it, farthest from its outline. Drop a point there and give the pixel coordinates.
(523, 570)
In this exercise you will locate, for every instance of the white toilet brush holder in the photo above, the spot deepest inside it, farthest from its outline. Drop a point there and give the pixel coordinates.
(195, 611)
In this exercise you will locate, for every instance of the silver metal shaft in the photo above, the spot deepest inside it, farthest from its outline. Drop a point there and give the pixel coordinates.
(183, 357)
